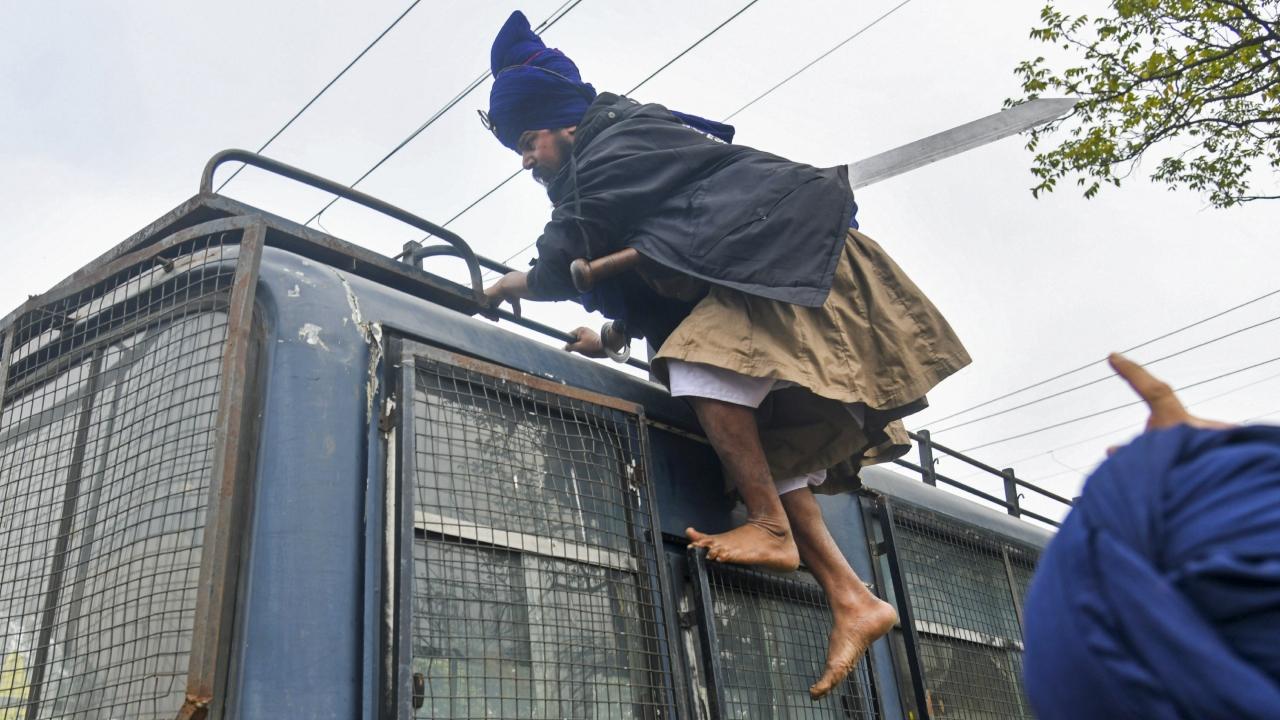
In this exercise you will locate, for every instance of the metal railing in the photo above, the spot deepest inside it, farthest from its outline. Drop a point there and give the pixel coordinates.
(1012, 500)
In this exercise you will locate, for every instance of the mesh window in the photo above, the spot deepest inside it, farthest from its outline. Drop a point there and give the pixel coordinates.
(106, 439)
(772, 633)
(535, 592)
(1023, 569)
(965, 620)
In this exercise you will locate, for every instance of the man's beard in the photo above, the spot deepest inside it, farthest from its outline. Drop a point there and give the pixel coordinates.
(544, 176)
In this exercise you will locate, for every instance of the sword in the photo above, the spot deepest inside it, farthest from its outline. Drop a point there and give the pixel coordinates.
(961, 138)
(587, 273)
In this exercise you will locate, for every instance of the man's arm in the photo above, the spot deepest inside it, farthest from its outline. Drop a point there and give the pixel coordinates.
(512, 288)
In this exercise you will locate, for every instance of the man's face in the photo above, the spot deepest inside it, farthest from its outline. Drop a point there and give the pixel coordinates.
(544, 152)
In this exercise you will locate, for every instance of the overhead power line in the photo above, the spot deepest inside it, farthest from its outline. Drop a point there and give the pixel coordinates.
(324, 89)
(818, 59)
(554, 18)
(1091, 363)
(1095, 381)
(1130, 427)
(1117, 407)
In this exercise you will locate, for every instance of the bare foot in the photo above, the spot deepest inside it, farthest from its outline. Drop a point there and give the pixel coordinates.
(755, 543)
(856, 626)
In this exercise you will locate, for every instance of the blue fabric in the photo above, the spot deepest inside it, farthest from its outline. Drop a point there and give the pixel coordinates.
(1160, 595)
(710, 127)
(540, 88)
(534, 87)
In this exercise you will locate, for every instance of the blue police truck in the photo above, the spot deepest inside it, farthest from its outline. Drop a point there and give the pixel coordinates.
(250, 470)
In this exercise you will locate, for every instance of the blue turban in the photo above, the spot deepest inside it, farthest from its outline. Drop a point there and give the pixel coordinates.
(534, 87)
(1160, 595)
(540, 88)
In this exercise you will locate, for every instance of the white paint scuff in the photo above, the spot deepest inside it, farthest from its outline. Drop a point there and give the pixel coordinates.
(310, 333)
(372, 334)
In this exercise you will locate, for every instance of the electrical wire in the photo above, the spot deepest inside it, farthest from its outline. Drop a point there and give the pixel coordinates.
(1127, 427)
(1113, 409)
(1090, 364)
(818, 59)
(1095, 381)
(323, 90)
(554, 18)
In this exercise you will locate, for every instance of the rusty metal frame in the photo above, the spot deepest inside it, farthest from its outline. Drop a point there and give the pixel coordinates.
(234, 446)
(235, 441)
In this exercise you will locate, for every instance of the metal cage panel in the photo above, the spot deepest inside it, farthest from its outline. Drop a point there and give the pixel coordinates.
(536, 589)
(965, 597)
(771, 635)
(107, 444)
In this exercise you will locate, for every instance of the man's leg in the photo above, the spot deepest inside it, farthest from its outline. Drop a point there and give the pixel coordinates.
(766, 538)
(858, 617)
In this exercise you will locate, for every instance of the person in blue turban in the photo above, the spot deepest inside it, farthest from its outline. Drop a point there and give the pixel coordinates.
(799, 344)
(1159, 598)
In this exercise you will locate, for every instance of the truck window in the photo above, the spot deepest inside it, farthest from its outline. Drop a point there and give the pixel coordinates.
(105, 464)
(966, 622)
(535, 591)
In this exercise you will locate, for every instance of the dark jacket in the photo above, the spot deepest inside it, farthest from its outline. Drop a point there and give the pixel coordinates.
(727, 214)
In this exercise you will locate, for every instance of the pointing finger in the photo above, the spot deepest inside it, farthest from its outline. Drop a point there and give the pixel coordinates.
(1165, 407)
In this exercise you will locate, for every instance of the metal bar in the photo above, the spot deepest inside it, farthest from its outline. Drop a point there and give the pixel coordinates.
(1013, 589)
(909, 465)
(1042, 491)
(70, 498)
(6, 349)
(430, 522)
(400, 384)
(461, 248)
(1011, 492)
(702, 600)
(955, 483)
(926, 458)
(666, 589)
(554, 333)
(957, 454)
(234, 444)
(905, 615)
(515, 378)
(1041, 518)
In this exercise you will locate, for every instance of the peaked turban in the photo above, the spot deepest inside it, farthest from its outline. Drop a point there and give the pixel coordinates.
(539, 88)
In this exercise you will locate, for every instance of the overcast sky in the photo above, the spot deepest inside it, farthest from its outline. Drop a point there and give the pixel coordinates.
(108, 112)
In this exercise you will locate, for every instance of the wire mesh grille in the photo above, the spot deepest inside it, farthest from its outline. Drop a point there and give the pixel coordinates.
(536, 590)
(964, 616)
(106, 439)
(773, 633)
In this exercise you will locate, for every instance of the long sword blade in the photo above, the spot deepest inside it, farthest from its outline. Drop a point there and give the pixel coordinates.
(957, 140)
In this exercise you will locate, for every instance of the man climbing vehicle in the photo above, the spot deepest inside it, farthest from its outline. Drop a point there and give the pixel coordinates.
(799, 344)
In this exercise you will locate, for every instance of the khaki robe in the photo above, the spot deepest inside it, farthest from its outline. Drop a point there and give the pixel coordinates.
(877, 345)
